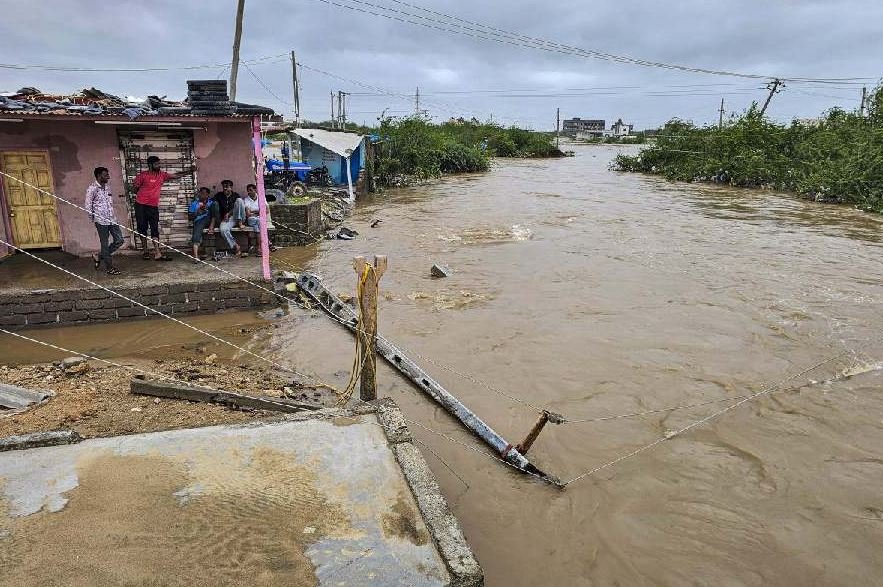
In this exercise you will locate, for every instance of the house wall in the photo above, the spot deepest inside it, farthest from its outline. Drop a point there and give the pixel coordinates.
(316, 156)
(224, 151)
(76, 147)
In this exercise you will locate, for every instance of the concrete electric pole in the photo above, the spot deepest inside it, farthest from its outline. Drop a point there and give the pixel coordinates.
(774, 87)
(557, 125)
(864, 104)
(237, 38)
(720, 120)
(296, 90)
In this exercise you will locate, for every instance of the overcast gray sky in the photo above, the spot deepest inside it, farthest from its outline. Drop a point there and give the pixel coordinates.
(457, 74)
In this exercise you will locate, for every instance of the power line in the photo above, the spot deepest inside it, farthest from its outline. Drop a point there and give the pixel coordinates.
(259, 60)
(489, 33)
(266, 87)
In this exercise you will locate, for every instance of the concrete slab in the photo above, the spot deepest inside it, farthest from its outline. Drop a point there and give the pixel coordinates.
(318, 499)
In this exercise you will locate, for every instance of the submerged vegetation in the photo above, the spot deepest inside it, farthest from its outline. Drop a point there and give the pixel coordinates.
(838, 157)
(414, 148)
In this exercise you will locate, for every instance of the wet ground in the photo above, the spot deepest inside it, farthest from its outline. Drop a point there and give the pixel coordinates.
(594, 293)
(21, 272)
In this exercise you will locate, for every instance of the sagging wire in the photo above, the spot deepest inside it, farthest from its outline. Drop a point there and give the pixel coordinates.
(766, 391)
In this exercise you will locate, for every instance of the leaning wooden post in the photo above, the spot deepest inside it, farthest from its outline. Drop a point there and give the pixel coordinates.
(544, 418)
(368, 306)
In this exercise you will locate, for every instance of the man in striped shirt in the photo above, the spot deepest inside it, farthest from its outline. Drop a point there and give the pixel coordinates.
(99, 204)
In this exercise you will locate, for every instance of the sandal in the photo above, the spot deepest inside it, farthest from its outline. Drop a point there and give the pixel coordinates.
(114, 271)
(96, 261)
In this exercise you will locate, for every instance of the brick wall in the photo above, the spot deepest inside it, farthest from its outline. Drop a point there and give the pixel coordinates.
(302, 218)
(82, 306)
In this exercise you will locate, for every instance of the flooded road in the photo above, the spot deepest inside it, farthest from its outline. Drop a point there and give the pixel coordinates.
(593, 293)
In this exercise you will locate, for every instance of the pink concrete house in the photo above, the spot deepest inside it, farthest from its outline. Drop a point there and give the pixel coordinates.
(56, 149)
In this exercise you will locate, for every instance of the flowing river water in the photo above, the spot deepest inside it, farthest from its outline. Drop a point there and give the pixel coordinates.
(593, 293)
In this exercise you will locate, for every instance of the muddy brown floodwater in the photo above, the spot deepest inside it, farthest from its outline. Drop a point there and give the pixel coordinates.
(593, 293)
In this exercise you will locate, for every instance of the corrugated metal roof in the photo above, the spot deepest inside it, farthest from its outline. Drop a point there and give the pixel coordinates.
(342, 143)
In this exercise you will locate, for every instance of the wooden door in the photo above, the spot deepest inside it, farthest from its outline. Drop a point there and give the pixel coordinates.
(32, 213)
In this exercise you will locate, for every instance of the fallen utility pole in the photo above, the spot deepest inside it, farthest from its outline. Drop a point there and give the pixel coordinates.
(313, 288)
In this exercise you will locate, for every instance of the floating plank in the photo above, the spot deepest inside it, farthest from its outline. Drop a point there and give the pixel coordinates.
(140, 386)
(14, 397)
(312, 286)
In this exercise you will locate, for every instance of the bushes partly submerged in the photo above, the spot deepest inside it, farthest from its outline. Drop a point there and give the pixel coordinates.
(838, 157)
(415, 148)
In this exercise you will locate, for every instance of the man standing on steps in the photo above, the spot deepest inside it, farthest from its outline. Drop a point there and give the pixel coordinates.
(148, 185)
(99, 203)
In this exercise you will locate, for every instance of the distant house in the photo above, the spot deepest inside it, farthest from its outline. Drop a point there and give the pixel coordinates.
(620, 129)
(338, 151)
(55, 142)
(585, 128)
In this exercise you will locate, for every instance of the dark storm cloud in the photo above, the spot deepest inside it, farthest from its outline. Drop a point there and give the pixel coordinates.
(785, 38)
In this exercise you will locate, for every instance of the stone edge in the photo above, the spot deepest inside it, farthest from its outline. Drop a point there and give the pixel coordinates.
(444, 527)
(39, 439)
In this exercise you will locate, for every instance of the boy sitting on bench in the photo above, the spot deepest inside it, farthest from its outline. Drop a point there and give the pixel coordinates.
(204, 213)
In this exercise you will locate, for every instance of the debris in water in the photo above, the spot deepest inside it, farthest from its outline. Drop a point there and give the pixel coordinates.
(439, 271)
(375, 223)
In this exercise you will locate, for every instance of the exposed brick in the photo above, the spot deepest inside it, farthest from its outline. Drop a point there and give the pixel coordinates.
(209, 306)
(93, 294)
(153, 290)
(176, 288)
(237, 303)
(58, 306)
(208, 286)
(186, 307)
(231, 294)
(27, 309)
(38, 296)
(118, 303)
(64, 295)
(17, 320)
(150, 300)
(74, 316)
(10, 299)
(203, 296)
(103, 314)
(131, 312)
(173, 298)
(90, 304)
(43, 318)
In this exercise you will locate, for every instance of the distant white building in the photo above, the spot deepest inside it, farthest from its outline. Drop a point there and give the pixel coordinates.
(620, 129)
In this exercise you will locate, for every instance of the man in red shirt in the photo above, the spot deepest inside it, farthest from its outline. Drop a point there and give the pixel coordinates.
(148, 185)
